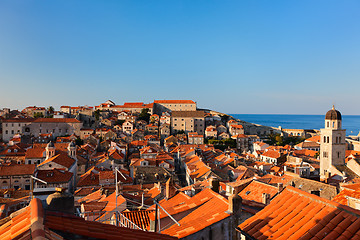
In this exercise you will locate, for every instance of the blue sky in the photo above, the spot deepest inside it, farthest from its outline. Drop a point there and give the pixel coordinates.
(296, 57)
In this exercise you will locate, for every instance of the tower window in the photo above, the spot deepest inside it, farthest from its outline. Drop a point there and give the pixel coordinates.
(338, 153)
(328, 124)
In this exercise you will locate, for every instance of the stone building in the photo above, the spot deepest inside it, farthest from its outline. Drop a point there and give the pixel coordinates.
(13, 126)
(56, 126)
(332, 145)
(188, 121)
(161, 106)
(16, 176)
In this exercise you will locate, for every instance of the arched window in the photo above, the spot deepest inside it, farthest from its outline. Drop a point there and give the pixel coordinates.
(324, 139)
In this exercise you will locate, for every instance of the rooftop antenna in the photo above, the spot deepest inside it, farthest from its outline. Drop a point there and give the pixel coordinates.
(171, 217)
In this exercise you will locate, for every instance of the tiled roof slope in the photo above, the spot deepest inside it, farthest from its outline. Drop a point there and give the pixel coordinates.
(212, 211)
(342, 196)
(57, 120)
(139, 217)
(33, 223)
(62, 159)
(18, 169)
(254, 191)
(295, 214)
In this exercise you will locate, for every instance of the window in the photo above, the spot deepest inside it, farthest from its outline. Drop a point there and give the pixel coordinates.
(338, 153)
(6, 132)
(328, 124)
(12, 131)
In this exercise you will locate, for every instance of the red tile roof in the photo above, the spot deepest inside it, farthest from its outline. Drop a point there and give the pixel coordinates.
(139, 217)
(210, 207)
(18, 120)
(54, 176)
(57, 120)
(175, 101)
(254, 191)
(271, 154)
(33, 223)
(17, 170)
(295, 214)
(272, 179)
(62, 159)
(342, 196)
(35, 152)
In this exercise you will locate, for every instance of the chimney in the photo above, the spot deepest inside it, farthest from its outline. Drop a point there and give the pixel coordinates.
(169, 191)
(235, 204)
(280, 187)
(265, 198)
(215, 184)
(235, 209)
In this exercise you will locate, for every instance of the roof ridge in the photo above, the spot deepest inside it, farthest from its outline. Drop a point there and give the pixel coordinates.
(330, 203)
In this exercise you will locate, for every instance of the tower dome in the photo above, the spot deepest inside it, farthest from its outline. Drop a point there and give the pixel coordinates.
(333, 114)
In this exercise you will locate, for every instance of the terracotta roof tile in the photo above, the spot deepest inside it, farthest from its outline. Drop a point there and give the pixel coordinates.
(254, 191)
(139, 217)
(56, 120)
(295, 214)
(175, 101)
(62, 159)
(54, 175)
(18, 169)
(210, 208)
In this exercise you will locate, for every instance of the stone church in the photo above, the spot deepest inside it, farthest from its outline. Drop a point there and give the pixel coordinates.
(333, 147)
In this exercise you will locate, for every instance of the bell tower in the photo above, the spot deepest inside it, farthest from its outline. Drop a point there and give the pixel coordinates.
(50, 150)
(332, 143)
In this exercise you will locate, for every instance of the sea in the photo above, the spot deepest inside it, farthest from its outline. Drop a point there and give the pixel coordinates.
(349, 122)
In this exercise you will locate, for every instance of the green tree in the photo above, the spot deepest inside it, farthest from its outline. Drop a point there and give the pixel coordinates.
(38, 115)
(144, 115)
(51, 110)
(97, 115)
